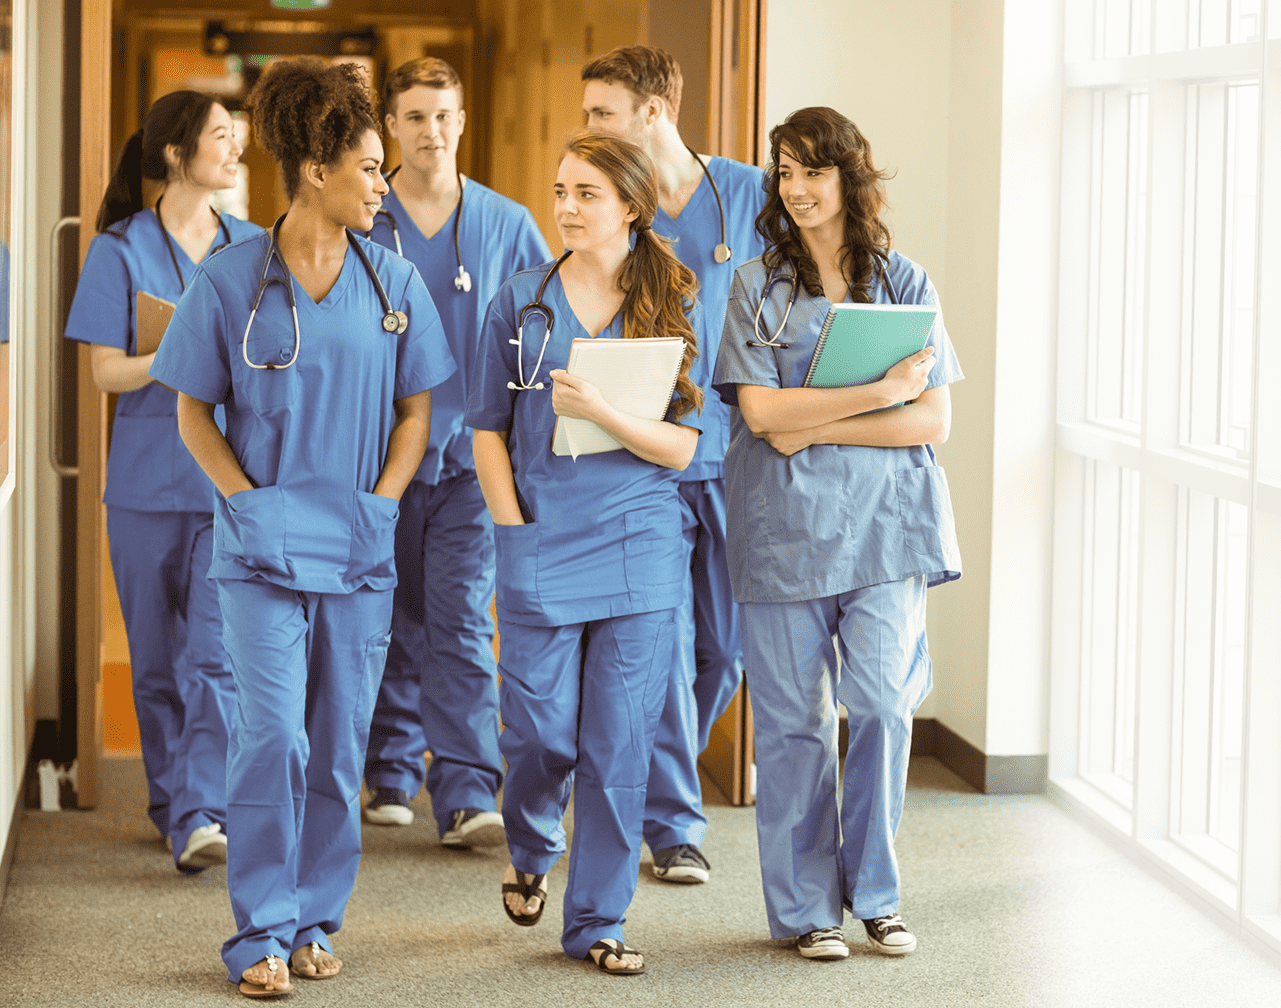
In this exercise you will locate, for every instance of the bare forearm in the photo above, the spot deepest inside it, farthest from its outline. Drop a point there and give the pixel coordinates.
(657, 441)
(208, 447)
(797, 409)
(116, 371)
(928, 420)
(405, 445)
(494, 473)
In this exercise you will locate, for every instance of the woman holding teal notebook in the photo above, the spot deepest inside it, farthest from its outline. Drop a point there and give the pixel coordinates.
(839, 520)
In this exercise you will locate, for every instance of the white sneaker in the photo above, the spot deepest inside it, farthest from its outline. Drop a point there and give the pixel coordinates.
(207, 846)
(825, 943)
(889, 935)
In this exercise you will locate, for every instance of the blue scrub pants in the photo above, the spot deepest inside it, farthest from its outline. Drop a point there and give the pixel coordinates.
(440, 690)
(307, 667)
(707, 671)
(182, 686)
(580, 707)
(810, 860)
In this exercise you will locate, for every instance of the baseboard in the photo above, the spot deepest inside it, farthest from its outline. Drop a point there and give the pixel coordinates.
(10, 844)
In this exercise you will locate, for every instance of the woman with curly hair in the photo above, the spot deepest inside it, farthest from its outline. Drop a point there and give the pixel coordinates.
(589, 550)
(839, 520)
(322, 346)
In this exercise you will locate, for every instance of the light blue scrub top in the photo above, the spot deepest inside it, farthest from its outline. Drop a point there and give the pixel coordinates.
(603, 536)
(312, 437)
(497, 237)
(830, 518)
(698, 232)
(148, 466)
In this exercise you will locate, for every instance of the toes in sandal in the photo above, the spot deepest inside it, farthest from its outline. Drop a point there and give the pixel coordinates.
(612, 948)
(309, 955)
(531, 889)
(279, 987)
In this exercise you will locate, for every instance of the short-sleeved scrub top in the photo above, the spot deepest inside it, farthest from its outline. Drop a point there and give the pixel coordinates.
(603, 533)
(311, 437)
(148, 466)
(830, 518)
(697, 230)
(496, 238)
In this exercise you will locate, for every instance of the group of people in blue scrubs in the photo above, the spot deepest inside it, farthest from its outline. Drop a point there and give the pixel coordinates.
(366, 395)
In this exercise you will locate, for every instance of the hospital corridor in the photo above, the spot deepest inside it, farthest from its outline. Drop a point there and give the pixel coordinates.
(781, 498)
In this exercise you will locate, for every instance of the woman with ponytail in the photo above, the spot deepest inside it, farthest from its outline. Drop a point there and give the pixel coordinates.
(159, 503)
(590, 550)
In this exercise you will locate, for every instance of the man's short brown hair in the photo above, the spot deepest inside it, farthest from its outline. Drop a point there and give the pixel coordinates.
(643, 70)
(427, 72)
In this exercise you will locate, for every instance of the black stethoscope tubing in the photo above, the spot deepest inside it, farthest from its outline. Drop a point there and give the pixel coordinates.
(790, 280)
(535, 307)
(462, 282)
(722, 253)
(222, 225)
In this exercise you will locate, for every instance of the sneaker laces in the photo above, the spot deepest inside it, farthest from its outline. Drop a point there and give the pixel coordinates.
(887, 922)
(688, 852)
(824, 934)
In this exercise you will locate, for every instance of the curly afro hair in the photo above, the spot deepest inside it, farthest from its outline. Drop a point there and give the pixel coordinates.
(305, 111)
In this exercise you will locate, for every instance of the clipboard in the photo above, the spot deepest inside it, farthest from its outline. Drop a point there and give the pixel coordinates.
(152, 315)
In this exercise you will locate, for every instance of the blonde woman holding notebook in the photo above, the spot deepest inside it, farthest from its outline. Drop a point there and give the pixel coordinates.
(159, 503)
(839, 520)
(589, 549)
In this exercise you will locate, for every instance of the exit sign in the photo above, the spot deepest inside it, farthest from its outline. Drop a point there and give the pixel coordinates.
(300, 4)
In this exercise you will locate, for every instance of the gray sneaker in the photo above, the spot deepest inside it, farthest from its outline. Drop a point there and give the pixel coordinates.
(683, 863)
(474, 827)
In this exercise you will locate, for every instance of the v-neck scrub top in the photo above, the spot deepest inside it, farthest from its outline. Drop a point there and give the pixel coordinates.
(603, 536)
(830, 518)
(497, 237)
(148, 467)
(697, 230)
(312, 437)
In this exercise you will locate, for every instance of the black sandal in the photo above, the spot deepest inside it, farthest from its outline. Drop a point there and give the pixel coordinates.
(612, 948)
(533, 889)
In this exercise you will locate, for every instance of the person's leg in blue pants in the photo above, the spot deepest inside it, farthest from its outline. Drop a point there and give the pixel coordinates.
(307, 668)
(810, 864)
(209, 699)
(707, 670)
(583, 700)
(151, 563)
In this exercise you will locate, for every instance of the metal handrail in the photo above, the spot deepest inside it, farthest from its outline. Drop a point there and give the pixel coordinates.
(55, 351)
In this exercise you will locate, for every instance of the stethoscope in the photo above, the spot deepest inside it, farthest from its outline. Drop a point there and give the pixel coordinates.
(790, 280)
(462, 282)
(535, 307)
(222, 226)
(392, 321)
(722, 252)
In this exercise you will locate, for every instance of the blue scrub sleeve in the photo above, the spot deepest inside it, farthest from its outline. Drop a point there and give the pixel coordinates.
(736, 362)
(423, 359)
(101, 311)
(193, 358)
(490, 403)
(916, 288)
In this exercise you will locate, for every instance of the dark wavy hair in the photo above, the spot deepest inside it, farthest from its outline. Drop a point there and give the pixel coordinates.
(305, 111)
(819, 137)
(658, 289)
(177, 118)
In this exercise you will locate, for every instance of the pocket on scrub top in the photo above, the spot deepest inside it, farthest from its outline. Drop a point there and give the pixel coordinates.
(251, 529)
(654, 550)
(269, 389)
(373, 538)
(925, 508)
(516, 567)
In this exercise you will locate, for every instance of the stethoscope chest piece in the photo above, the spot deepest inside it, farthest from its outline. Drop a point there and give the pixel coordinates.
(722, 253)
(395, 322)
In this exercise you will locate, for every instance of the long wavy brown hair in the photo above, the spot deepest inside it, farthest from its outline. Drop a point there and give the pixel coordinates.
(658, 289)
(820, 137)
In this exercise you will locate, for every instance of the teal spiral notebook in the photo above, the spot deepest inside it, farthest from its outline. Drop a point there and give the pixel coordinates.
(860, 342)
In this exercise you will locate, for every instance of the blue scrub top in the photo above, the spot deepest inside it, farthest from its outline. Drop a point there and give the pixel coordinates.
(496, 237)
(148, 466)
(697, 231)
(830, 518)
(311, 437)
(603, 533)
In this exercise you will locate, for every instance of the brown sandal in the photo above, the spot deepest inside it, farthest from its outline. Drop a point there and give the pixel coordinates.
(255, 990)
(313, 950)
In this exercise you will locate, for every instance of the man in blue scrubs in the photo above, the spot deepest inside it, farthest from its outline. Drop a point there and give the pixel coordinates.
(709, 205)
(439, 691)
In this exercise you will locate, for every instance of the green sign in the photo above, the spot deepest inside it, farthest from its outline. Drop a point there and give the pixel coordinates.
(300, 4)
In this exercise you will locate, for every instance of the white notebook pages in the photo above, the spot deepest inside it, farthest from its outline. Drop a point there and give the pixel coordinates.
(636, 376)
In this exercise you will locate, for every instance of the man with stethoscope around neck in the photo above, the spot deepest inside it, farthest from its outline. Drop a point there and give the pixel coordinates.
(709, 205)
(439, 690)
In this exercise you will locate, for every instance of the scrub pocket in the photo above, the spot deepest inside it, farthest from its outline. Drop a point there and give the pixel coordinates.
(516, 563)
(373, 540)
(371, 677)
(268, 390)
(654, 550)
(250, 529)
(925, 509)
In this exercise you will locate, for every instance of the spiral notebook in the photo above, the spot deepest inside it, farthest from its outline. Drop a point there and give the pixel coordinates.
(636, 376)
(860, 342)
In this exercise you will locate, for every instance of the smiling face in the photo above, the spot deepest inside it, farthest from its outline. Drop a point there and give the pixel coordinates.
(812, 196)
(615, 109)
(213, 166)
(589, 213)
(427, 123)
(352, 188)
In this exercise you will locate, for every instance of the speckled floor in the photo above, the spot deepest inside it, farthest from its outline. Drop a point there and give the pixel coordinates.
(1013, 902)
